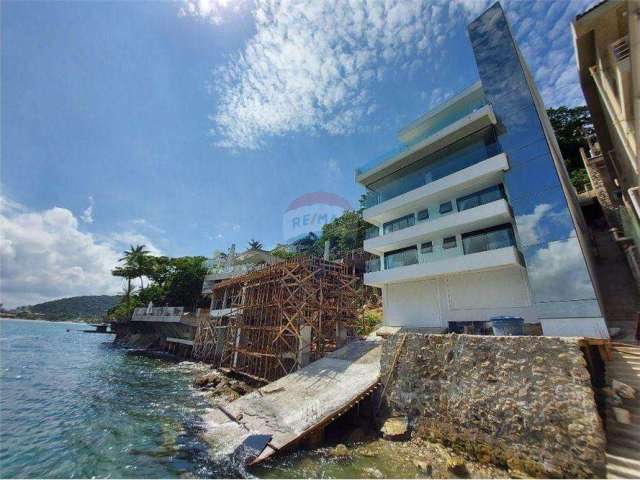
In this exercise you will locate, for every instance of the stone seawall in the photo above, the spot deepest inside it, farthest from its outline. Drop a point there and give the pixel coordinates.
(522, 402)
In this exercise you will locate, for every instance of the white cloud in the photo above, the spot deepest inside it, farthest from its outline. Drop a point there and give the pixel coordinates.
(215, 11)
(558, 271)
(529, 225)
(311, 66)
(87, 214)
(44, 255)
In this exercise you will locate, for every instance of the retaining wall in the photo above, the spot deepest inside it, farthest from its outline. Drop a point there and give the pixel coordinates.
(522, 402)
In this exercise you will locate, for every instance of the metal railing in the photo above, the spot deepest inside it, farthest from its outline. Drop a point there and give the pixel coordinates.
(158, 311)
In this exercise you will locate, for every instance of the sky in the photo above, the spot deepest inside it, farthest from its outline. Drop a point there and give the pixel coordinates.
(191, 125)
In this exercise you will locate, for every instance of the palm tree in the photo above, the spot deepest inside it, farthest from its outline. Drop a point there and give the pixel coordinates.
(255, 244)
(137, 261)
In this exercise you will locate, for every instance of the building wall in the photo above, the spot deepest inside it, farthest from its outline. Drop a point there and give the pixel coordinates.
(547, 223)
(462, 297)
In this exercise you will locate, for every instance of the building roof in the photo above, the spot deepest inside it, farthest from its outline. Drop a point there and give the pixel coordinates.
(589, 10)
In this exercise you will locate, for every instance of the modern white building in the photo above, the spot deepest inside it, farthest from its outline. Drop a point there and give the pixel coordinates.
(473, 214)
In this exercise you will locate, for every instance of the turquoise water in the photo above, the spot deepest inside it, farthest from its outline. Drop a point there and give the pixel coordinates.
(74, 406)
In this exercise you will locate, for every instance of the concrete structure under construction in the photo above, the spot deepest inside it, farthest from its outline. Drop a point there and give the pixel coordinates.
(474, 215)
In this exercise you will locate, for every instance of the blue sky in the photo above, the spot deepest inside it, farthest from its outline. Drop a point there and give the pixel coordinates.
(191, 125)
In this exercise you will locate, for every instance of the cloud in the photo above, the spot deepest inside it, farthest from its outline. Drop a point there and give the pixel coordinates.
(44, 255)
(87, 214)
(312, 66)
(215, 11)
(529, 225)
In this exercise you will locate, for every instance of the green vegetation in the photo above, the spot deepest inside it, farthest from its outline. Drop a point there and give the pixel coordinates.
(84, 307)
(174, 282)
(572, 126)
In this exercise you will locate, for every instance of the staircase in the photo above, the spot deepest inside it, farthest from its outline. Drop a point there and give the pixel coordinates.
(620, 297)
(623, 441)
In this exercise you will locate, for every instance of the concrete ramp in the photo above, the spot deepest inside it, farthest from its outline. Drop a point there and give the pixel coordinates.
(285, 411)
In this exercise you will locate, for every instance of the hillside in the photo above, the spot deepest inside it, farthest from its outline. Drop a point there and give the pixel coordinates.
(90, 306)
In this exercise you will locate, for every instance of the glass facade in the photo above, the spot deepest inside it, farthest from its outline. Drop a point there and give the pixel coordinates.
(558, 274)
(459, 155)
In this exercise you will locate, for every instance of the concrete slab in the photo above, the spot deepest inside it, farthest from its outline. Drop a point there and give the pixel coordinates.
(297, 404)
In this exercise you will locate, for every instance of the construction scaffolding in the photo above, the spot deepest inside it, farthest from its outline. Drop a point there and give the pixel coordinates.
(279, 318)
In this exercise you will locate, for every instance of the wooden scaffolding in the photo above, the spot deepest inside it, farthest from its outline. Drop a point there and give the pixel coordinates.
(281, 318)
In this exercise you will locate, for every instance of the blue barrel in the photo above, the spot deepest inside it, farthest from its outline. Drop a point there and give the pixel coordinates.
(507, 326)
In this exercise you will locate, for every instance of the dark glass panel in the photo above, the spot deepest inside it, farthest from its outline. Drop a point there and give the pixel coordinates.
(445, 207)
(399, 223)
(449, 242)
(488, 239)
(423, 215)
(400, 258)
(426, 247)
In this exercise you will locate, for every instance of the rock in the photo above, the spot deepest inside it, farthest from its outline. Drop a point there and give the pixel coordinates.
(208, 380)
(423, 466)
(622, 415)
(622, 389)
(340, 451)
(372, 472)
(395, 427)
(368, 453)
(456, 465)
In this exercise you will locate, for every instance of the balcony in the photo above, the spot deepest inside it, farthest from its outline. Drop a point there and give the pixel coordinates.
(476, 218)
(423, 268)
(481, 174)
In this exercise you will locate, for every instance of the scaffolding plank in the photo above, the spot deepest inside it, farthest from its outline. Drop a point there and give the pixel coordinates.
(297, 404)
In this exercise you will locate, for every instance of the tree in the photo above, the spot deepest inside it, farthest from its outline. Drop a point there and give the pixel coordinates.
(572, 126)
(184, 287)
(136, 259)
(344, 233)
(255, 244)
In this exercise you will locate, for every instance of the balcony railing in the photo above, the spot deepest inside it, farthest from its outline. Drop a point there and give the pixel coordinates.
(441, 124)
(371, 232)
(454, 158)
(372, 265)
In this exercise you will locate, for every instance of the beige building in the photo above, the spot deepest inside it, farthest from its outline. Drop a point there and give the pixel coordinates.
(607, 43)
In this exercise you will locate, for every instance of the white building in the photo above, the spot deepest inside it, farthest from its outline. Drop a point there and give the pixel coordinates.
(473, 215)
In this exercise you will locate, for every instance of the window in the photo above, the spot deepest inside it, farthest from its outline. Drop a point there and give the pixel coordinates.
(445, 207)
(399, 223)
(423, 215)
(488, 239)
(449, 242)
(426, 247)
(480, 198)
(400, 258)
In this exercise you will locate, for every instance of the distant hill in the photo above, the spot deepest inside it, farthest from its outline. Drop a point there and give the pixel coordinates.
(90, 306)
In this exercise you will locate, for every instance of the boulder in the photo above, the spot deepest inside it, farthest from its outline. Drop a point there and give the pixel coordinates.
(371, 472)
(622, 389)
(208, 380)
(423, 466)
(340, 451)
(456, 465)
(395, 427)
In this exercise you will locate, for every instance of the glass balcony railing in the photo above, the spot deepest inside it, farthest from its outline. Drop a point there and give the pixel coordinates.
(372, 265)
(371, 232)
(456, 157)
(438, 125)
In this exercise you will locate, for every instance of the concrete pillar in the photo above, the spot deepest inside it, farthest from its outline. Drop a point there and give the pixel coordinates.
(326, 250)
(304, 346)
(341, 334)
